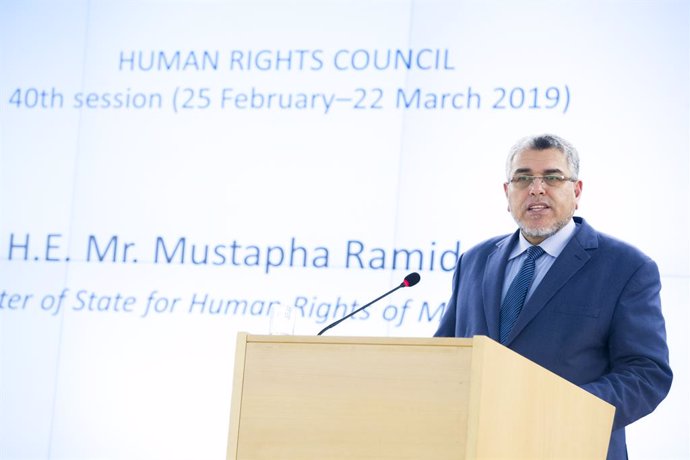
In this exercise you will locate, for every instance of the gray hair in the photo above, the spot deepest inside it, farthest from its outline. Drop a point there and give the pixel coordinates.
(543, 142)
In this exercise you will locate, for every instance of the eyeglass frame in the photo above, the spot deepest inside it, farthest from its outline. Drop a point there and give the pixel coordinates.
(560, 178)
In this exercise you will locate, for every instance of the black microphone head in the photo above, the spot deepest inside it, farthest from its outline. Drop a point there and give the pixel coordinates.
(411, 279)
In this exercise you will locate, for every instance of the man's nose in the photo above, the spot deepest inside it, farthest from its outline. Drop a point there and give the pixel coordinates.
(537, 186)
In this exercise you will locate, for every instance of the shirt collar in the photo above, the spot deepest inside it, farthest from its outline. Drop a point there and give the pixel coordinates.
(553, 245)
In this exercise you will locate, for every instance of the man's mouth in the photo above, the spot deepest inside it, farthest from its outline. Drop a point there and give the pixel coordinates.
(537, 207)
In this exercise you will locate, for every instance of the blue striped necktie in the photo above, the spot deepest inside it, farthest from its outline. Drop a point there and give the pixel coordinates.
(515, 297)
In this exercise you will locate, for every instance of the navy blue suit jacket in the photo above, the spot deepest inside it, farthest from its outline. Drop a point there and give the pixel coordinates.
(595, 319)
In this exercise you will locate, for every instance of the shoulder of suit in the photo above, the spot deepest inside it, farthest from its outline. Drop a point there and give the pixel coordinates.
(590, 238)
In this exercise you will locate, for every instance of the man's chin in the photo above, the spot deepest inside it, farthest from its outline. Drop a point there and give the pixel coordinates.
(542, 231)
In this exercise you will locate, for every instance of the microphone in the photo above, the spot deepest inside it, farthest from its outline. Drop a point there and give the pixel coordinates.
(409, 281)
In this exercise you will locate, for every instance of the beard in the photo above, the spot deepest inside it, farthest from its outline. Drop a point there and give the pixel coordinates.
(541, 232)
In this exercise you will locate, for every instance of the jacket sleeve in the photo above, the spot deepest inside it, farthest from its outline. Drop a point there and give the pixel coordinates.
(640, 376)
(446, 327)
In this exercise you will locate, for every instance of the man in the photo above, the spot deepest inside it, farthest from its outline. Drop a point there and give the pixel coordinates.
(585, 306)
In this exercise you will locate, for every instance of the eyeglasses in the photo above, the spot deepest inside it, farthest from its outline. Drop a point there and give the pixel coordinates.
(551, 180)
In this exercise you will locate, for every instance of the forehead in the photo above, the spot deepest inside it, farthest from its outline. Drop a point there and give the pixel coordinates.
(548, 160)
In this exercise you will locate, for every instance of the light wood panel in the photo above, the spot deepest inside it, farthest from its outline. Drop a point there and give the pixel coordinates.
(520, 410)
(335, 398)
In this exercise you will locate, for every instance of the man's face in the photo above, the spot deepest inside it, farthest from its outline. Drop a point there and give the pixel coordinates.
(540, 210)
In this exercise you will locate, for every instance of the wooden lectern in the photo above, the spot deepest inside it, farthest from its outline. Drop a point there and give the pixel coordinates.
(322, 398)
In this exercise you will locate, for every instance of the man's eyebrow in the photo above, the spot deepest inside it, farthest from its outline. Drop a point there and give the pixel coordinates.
(529, 171)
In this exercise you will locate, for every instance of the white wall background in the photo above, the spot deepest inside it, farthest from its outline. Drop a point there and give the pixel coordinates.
(122, 383)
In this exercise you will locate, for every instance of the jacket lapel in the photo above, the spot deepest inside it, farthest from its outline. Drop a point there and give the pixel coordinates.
(492, 287)
(569, 262)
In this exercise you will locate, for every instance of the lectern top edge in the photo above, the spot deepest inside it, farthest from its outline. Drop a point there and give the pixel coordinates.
(438, 341)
